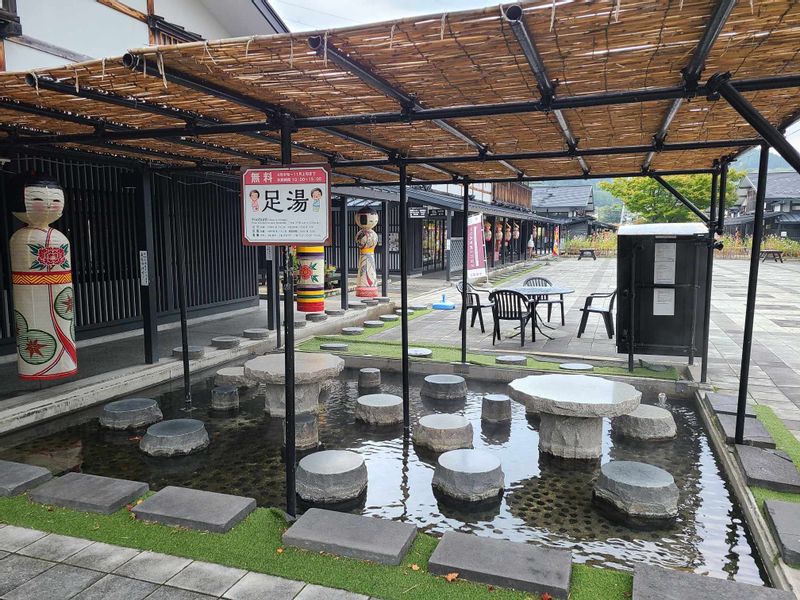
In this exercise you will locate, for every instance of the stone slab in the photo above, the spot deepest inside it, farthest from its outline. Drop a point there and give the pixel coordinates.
(576, 367)
(417, 306)
(353, 536)
(335, 312)
(15, 477)
(225, 341)
(175, 437)
(59, 583)
(153, 567)
(755, 434)
(256, 333)
(12, 538)
(370, 301)
(645, 423)
(575, 395)
(382, 299)
(333, 346)
(114, 587)
(399, 311)
(357, 305)
(767, 468)
(502, 563)
(130, 413)
(469, 476)
(318, 592)
(206, 578)
(102, 557)
(55, 547)
(316, 317)
(195, 509)
(232, 376)
(309, 367)
(638, 489)
(373, 324)
(511, 359)
(256, 586)
(16, 570)
(389, 318)
(420, 352)
(89, 493)
(784, 522)
(194, 352)
(657, 583)
(352, 330)
(727, 405)
(331, 476)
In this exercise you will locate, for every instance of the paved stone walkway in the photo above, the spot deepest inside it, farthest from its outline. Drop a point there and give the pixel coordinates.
(39, 566)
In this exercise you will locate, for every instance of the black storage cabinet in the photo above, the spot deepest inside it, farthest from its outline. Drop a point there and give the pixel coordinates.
(661, 270)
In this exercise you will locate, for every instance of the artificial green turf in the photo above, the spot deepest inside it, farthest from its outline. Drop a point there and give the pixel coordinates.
(254, 545)
(784, 440)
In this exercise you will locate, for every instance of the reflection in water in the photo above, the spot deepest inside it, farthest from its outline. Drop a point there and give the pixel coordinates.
(546, 501)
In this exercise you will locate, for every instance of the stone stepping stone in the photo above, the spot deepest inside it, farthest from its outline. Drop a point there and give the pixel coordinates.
(637, 489)
(783, 519)
(88, 493)
(331, 477)
(373, 324)
(501, 563)
(369, 302)
(306, 431)
(650, 423)
(727, 405)
(298, 323)
(380, 409)
(343, 534)
(333, 346)
(469, 476)
(335, 312)
(195, 509)
(511, 359)
(657, 583)
(194, 352)
(496, 408)
(420, 352)
(130, 413)
(357, 305)
(755, 434)
(225, 397)
(576, 367)
(418, 306)
(352, 330)
(316, 317)
(382, 299)
(225, 342)
(444, 387)
(771, 469)
(389, 318)
(175, 437)
(399, 311)
(15, 477)
(256, 333)
(232, 376)
(369, 377)
(441, 433)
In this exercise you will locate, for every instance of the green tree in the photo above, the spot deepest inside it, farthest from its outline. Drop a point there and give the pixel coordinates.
(652, 203)
(610, 213)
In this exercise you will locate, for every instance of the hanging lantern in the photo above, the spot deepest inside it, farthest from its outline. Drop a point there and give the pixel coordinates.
(366, 240)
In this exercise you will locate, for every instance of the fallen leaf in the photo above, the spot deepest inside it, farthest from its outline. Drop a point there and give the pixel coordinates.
(453, 576)
(279, 550)
(546, 596)
(415, 567)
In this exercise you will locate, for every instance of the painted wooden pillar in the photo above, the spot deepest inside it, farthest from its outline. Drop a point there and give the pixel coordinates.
(366, 240)
(311, 279)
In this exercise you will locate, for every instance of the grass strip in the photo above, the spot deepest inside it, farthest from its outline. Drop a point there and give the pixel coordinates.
(784, 440)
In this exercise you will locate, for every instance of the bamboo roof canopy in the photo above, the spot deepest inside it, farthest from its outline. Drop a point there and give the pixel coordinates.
(540, 89)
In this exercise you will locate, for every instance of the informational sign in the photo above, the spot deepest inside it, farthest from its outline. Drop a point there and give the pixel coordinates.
(417, 212)
(436, 212)
(664, 302)
(286, 205)
(664, 274)
(144, 269)
(476, 248)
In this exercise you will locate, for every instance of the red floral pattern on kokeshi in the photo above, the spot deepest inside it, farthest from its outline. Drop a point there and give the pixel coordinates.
(51, 257)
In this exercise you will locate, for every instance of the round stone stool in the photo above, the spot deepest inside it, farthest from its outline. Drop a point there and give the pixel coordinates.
(369, 302)
(225, 342)
(352, 330)
(511, 359)
(441, 433)
(331, 476)
(306, 432)
(380, 409)
(194, 352)
(389, 318)
(645, 423)
(399, 311)
(637, 489)
(357, 305)
(444, 387)
(418, 306)
(256, 333)
(334, 312)
(130, 413)
(469, 476)
(373, 324)
(382, 299)
(232, 376)
(369, 377)
(175, 437)
(420, 352)
(225, 397)
(333, 346)
(316, 317)
(576, 367)
(496, 408)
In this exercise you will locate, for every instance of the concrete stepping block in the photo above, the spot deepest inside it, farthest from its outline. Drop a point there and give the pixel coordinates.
(755, 434)
(637, 489)
(333, 346)
(657, 583)
(195, 509)
(771, 469)
(130, 413)
(176, 437)
(331, 476)
(373, 324)
(420, 352)
(399, 311)
(496, 408)
(88, 493)
(298, 323)
(418, 306)
(256, 333)
(357, 305)
(369, 377)
(369, 302)
(225, 342)
(380, 409)
(306, 431)
(389, 318)
(469, 476)
(225, 397)
(442, 433)
(444, 387)
(727, 405)
(335, 312)
(650, 423)
(316, 317)
(352, 330)
(783, 519)
(511, 359)
(382, 299)
(232, 376)
(16, 477)
(343, 534)
(576, 367)
(502, 563)
(194, 352)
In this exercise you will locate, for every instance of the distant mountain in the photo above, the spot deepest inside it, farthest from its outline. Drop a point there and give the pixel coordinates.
(748, 162)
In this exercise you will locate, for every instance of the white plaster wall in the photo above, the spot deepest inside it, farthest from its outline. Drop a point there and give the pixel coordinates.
(22, 58)
(194, 16)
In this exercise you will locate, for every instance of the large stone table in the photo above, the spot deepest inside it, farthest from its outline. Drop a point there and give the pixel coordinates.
(572, 408)
(310, 370)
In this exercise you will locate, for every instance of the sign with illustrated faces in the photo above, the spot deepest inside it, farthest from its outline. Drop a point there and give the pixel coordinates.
(286, 205)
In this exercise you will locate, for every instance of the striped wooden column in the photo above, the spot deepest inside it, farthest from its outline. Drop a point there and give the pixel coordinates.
(311, 280)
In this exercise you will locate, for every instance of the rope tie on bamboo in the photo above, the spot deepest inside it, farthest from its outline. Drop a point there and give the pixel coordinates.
(391, 35)
(247, 46)
(441, 28)
(553, 15)
(291, 53)
(77, 86)
(160, 64)
(144, 66)
(35, 82)
(208, 52)
(103, 69)
(325, 49)
(617, 6)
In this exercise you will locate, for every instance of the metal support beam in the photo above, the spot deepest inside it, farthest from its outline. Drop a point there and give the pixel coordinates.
(344, 251)
(404, 296)
(723, 191)
(385, 248)
(464, 280)
(712, 217)
(683, 200)
(180, 275)
(148, 278)
(752, 286)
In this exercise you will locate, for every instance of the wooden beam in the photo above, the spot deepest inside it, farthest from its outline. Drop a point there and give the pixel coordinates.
(124, 9)
(2, 55)
(151, 10)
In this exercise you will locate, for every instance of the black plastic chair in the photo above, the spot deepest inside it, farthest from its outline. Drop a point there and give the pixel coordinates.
(546, 299)
(604, 311)
(512, 306)
(474, 304)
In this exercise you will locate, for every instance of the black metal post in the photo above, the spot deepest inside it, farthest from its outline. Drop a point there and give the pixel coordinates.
(752, 285)
(275, 291)
(494, 237)
(385, 247)
(464, 281)
(180, 274)
(709, 276)
(148, 278)
(270, 251)
(723, 189)
(448, 241)
(344, 268)
(404, 295)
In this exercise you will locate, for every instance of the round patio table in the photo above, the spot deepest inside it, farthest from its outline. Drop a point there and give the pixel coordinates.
(534, 292)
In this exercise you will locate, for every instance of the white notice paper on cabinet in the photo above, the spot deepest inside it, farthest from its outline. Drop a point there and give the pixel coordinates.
(664, 264)
(664, 302)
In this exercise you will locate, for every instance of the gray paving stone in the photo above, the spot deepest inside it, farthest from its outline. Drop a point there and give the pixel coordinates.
(784, 522)
(16, 477)
(55, 547)
(195, 509)
(171, 593)
(153, 567)
(102, 557)
(755, 434)
(114, 587)
(16, 570)
(354, 536)
(206, 578)
(771, 469)
(59, 583)
(727, 405)
(317, 592)
(256, 586)
(656, 583)
(12, 538)
(507, 564)
(89, 493)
